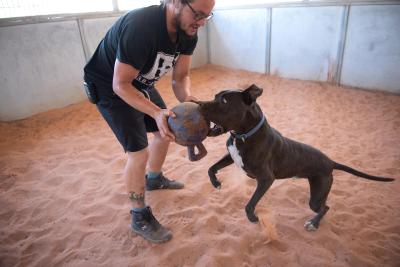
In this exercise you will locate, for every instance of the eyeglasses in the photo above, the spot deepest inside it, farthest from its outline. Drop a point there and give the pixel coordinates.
(197, 14)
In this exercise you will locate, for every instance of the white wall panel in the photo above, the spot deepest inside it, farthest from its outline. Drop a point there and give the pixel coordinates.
(40, 68)
(238, 39)
(305, 42)
(372, 52)
(95, 30)
(200, 55)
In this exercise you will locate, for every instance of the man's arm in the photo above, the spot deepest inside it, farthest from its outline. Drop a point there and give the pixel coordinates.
(124, 74)
(181, 80)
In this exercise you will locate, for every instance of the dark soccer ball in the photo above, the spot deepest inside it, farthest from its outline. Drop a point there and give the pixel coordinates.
(189, 126)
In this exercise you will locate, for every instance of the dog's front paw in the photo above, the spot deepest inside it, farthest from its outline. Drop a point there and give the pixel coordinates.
(216, 184)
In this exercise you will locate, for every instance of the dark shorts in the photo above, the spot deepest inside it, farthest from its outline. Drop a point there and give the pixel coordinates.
(129, 125)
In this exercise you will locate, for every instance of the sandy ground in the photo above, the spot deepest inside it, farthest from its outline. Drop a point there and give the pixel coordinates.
(63, 200)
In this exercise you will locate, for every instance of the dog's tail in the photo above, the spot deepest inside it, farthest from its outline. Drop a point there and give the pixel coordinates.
(345, 168)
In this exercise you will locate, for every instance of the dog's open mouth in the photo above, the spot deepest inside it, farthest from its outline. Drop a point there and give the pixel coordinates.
(215, 129)
(213, 125)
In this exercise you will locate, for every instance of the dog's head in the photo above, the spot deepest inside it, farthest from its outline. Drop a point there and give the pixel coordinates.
(232, 108)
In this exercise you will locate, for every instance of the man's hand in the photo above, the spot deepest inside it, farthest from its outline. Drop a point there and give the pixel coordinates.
(191, 98)
(161, 120)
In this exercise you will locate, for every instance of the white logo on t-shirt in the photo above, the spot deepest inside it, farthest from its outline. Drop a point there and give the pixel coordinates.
(162, 64)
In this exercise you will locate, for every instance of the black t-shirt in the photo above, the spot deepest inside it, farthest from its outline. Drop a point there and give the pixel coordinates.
(140, 39)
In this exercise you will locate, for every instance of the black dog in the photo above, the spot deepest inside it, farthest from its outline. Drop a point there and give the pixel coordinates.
(265, 155)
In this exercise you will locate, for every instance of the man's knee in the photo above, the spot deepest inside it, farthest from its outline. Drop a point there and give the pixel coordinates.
(139, 157)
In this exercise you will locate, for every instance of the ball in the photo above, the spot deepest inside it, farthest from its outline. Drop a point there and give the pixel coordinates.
(189, 126)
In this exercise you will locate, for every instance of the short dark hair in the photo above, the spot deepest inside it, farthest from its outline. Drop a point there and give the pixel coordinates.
(164, 2)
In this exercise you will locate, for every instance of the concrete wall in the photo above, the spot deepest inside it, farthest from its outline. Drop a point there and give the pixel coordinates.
(372, 51)
(40, 68)
(305, 42)
(238, 39)
(93, 31)
(350, 44)
(41, 64)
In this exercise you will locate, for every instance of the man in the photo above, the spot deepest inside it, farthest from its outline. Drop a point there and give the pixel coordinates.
(138, 49)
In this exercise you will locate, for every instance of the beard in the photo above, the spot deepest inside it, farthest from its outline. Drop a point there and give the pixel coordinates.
(181, 33)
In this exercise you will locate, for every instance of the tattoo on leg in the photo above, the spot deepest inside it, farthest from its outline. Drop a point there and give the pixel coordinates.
(137, 197)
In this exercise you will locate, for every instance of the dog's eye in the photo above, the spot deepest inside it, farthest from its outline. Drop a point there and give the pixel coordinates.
(224, 100)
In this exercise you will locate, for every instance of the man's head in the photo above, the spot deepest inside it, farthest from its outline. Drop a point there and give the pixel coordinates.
(189, 15)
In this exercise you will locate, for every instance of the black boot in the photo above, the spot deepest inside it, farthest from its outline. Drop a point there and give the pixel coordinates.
(146, 225)
(161, 182)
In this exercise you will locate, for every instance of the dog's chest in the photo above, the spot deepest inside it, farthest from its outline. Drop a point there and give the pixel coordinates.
(234, 152)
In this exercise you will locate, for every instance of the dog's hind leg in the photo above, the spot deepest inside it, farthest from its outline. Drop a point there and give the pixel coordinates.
(319, 190)
(212, 171)
(262, 187)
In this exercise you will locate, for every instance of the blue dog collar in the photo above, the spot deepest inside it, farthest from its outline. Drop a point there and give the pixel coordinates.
(243, 137)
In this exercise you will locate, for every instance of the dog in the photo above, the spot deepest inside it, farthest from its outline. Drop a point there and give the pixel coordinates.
(265, 155)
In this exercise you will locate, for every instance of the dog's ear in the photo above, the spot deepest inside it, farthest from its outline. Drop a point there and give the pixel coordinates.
(250, 94)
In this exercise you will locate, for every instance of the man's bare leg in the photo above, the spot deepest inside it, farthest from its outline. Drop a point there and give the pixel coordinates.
(143, 221)
(158, 149)
(134, 173)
